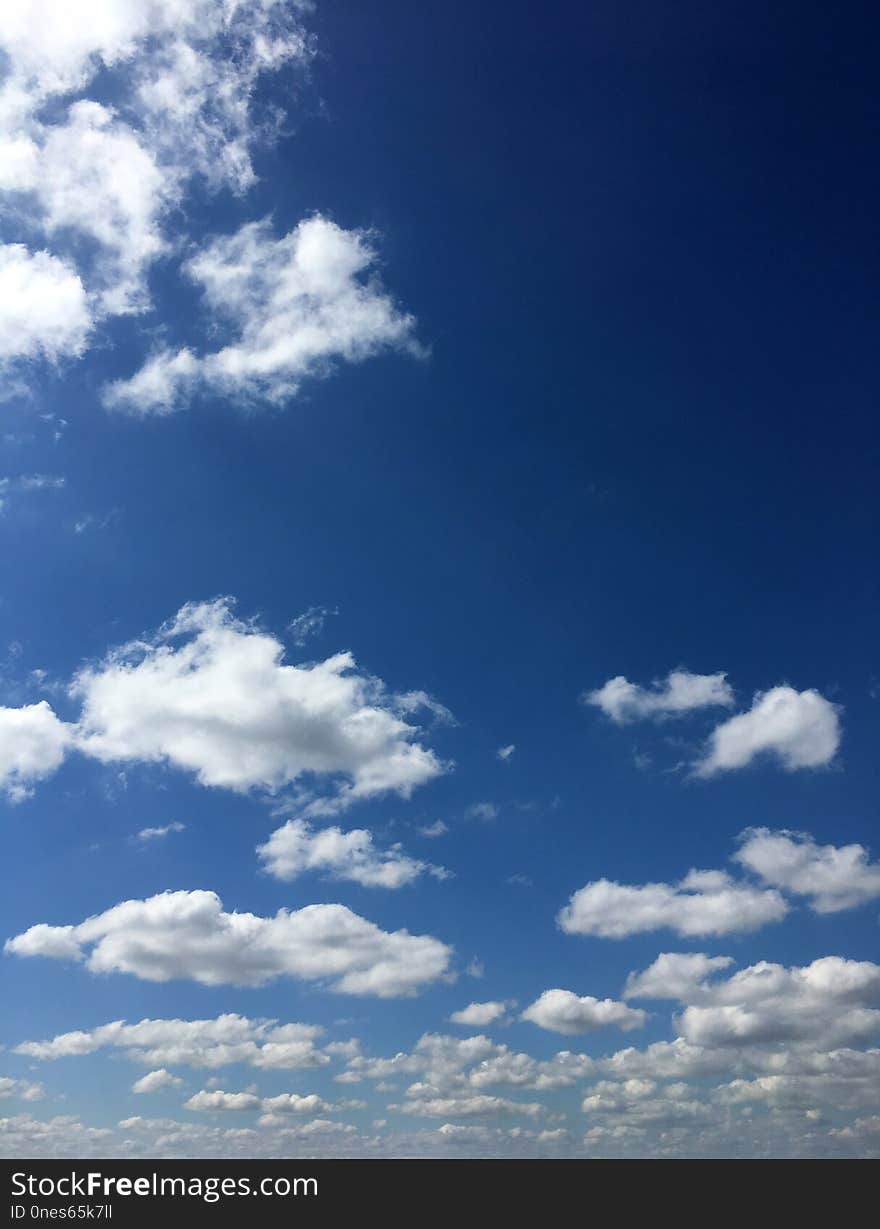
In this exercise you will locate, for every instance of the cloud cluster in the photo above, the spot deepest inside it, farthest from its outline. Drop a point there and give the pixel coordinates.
(218, 1101)
(99, 180)
(292, 306)
(219, 1042)
(830, 877)
(799, 729)
(188, 935)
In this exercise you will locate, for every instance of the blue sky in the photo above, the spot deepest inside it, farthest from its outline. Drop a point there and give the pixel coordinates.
(527, 356)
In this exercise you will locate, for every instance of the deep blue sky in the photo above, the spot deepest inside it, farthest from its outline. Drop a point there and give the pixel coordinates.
(640, 244)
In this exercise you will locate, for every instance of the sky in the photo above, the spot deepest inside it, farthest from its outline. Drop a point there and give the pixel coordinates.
(438, 521)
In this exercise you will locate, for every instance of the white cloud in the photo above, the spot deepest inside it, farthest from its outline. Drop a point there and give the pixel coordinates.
(506, 753)
(219, 1042)
(680, 692)
(467, 1106)
(156, 834)
(829, 1003)
(482, 810)
(703, 903)
(294, 306)
(44, 311)
(188, 935)
(833, 877)
(296, 848)
(478, 1015)
(155, 1081)
(801, 729)
(674, 975)
(94, 176)
(218, 1100)
(20, 1090)
(33, 744)
(274, 1109)
(182, 73)
(211, 695)
(561, 1011)
(432, 831)
(310, 623)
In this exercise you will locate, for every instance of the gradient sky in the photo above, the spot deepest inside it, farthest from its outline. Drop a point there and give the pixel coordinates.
(527, 354)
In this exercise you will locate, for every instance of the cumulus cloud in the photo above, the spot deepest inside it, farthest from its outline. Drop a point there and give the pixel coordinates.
(218, 1101)
(210, 694)
(219, 1042)
(478, 1015)
(155, 1081)
(476, 1105)
(674, 975)
(44, 312)
(296, 848)
(561, 1011)
(703, 903)
(800, 729)
(453, 1064)
(832, 877)
(188, 935)
(293, 306)
(33, 744)
(829, 1003)
(680, 692)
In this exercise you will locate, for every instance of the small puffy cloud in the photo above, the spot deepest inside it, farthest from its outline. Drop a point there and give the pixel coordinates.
(33, 744)
(155, 1081)
(506, 753)
(212, 1043)
(156, 834)
(561, 1011)
(293, 306)
(674, 975)
(833, 877)
(800, 729)
(296, 848)
(188, 935)
(211, 694)
(478, 1015)
(680, 692)
(703, 903)
(44, 310)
